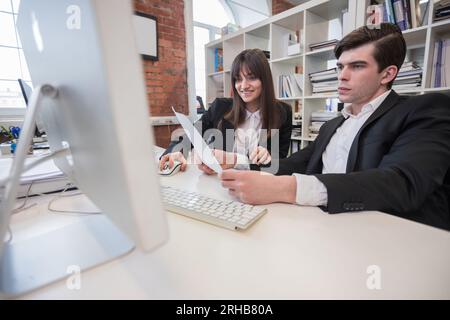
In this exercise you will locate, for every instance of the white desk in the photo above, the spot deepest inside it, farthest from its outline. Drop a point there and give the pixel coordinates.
(290, 253)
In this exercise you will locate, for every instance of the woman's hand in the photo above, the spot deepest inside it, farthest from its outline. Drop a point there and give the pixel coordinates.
(227, 160)
(260, 156)
(171, 157)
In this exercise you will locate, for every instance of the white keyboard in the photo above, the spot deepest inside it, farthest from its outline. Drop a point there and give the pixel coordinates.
(227, 214)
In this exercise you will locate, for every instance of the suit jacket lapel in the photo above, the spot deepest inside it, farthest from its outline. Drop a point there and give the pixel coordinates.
(387, 104)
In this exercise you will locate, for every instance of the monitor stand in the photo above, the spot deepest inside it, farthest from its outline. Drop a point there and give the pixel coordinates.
(33, 263)
(68, 251)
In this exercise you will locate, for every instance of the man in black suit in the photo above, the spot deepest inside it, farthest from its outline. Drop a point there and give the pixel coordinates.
(385, 152)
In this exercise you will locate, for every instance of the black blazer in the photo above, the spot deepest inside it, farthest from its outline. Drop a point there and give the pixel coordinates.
(398, 163)
(213, 118)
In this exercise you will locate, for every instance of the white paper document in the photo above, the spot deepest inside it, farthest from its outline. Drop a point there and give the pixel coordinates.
(45, 177)
(44, 171)
(201, 148)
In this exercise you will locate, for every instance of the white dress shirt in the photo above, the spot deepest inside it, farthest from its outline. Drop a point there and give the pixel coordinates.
(247, 138)
(312, 192)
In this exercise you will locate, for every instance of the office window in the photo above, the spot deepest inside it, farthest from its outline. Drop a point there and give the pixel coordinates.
(209, 17)
(210, 12)
(12, 60)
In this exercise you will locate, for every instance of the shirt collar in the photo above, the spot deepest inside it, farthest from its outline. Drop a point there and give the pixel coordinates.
(256, 115)
(370, 107)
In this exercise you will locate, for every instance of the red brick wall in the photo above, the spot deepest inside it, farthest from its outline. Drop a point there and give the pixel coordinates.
(167, 77)
(280, 6)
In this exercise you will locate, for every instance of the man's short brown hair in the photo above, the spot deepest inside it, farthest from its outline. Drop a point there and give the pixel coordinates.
(390, 46)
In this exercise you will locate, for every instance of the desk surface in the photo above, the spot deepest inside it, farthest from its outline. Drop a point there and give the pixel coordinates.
(292, 252)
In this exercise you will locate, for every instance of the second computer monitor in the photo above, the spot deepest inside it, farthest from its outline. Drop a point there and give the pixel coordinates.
(86, 49)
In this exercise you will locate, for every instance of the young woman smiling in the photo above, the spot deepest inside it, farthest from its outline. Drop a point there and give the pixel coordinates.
(248, 126)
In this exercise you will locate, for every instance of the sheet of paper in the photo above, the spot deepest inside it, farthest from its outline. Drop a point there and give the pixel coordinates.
(201, 148)
(43, 171)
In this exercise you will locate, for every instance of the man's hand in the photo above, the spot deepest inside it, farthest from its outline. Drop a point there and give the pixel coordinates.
(255, 187)
(260, 156)
(227, 160)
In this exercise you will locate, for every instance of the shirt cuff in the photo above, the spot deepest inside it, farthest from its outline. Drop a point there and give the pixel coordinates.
(242, 162)
(310, 191)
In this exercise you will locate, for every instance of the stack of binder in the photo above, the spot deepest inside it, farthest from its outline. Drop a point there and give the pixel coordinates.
(324, 81)
(318, 118)
(442, 10)
(44, 178)
(409, 76)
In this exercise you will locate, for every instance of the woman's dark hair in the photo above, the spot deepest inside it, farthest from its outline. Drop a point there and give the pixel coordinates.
(254, 61)
(387, 38)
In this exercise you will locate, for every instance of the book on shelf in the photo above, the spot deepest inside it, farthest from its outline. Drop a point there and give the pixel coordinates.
(324, 115)
(405, 86)
(325, 89)
(441, 10)
(323, 72)
(410, 72)
(411, 79)
(424, 7)
(324, 81)
(333, 83)
(409, 66)
(329, 77)
(390, 14)
(298, 78)
(399, 14)
(406, 14)
(218, 59)
(323, 44)
(318, 118)
(440, 75)
(315, 126)
(409, 76)
(415, 13)
(296, 132)
(290, 86)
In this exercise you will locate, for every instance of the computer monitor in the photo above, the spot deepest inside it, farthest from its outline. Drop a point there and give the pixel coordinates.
(26, 94)
(92, 100)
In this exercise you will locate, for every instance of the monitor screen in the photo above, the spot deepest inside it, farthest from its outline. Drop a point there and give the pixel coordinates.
(26, 93)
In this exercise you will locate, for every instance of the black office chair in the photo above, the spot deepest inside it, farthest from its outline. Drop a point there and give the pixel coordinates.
(200, 106)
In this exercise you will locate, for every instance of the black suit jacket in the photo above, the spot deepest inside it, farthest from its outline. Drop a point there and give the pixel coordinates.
(213, 118)
(398, 162)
